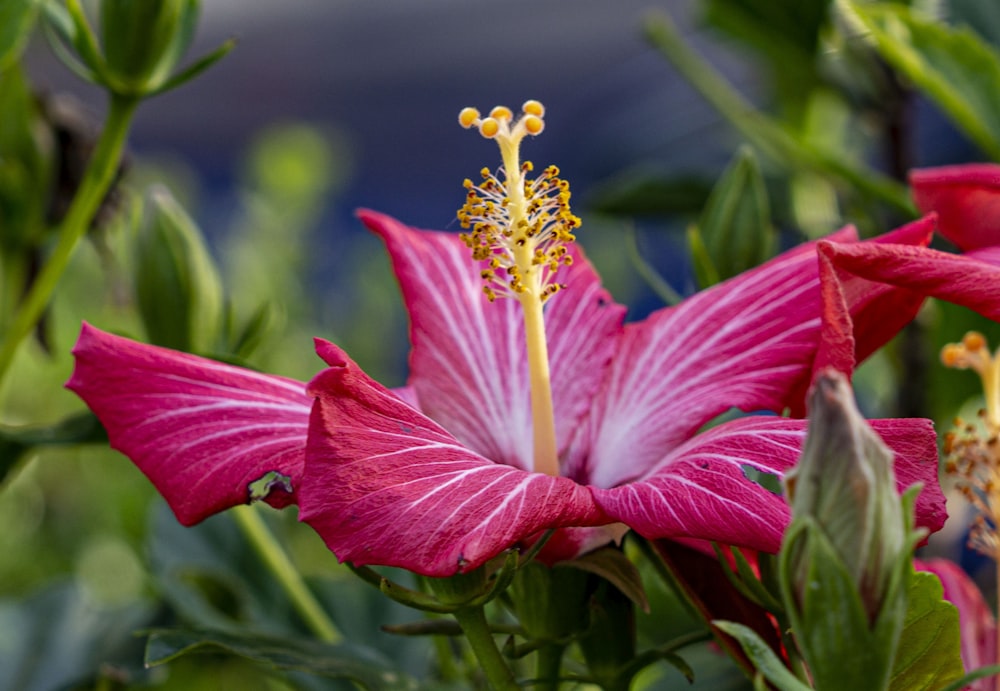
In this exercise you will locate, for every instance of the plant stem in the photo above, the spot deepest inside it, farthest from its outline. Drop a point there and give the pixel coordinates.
(549, 666)
(280, 564)
(477, 632)
(94, 186)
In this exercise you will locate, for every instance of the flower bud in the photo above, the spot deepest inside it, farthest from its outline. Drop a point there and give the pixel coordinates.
(845, 558)
(845, 482)
(177, 284)
(140, 39)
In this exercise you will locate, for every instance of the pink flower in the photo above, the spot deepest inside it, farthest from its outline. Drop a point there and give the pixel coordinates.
(436, 477)
(966, 200)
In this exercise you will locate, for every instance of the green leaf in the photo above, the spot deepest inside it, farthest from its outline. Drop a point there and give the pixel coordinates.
(17, 17)
(763, 657)
(344, 661)
(980, 673)
(954, 67)
(929, 652)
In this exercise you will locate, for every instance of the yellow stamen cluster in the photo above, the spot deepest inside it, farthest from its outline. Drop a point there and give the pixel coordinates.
(518, 227)
(973, 459)
(973, 450)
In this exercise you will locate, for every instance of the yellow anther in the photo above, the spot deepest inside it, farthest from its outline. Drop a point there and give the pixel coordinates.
(489, 127)
(533, 107)
(533, 124)
(501, 113)
(467, 117)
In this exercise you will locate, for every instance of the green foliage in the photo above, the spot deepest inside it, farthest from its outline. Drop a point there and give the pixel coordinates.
(178, 288)
(370, 670)
(17, 18)
(763, 657)
(17, 442)
(59, 638)
(929, 653)
(952, 66)
(734, 233)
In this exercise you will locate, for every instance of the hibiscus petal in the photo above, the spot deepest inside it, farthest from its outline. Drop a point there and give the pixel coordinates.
(962, 279)
(385, 484)
(966, 199)
(467, 365)
(200, 430)
(701, 490)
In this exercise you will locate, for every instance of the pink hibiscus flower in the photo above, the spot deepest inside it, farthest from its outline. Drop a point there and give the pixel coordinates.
(438, 477)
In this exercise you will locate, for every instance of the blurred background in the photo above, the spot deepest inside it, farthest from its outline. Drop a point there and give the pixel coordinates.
(326, 106)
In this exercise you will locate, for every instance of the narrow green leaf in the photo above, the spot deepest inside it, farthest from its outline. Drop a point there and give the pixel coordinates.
(17, 17)
(929, 652)
(954, 67)
(196, 68)
(762, 656)
(981, 673)
(365, 666)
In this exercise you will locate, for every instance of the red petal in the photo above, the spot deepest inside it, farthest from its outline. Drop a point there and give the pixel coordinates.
(966, 199)
(200, 430)
(964, 280)
(385, 484)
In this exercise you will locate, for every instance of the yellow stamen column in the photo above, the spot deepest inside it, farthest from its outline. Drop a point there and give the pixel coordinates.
(518, 229)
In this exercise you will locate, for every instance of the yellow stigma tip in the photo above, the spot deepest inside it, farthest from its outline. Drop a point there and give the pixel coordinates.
(533, 124)
(489, 127)
(467, 117)
(533, 107)
(501, 113)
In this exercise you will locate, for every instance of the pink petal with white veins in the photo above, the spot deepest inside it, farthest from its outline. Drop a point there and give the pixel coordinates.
(386, 485)
(743, 343)
(200, 430)
(468, 367)
(701, 489)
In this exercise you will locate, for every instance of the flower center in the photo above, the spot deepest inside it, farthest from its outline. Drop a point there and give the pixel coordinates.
(518, 228)
(972, 450)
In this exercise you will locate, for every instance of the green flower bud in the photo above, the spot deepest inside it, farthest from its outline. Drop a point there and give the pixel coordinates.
(845, 482)
(845, 560)
(177, 285)
(140, 39)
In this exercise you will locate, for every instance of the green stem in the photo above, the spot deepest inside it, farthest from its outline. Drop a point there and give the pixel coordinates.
(96, 181)
(280, 564)
(477, 632)
(548, 669)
